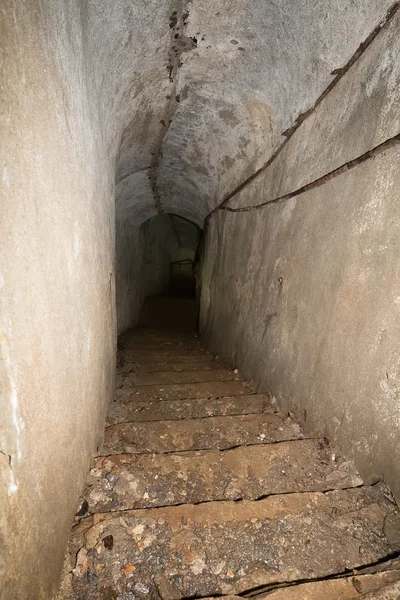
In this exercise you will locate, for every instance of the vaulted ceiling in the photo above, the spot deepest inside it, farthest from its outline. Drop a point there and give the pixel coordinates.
(196, 94)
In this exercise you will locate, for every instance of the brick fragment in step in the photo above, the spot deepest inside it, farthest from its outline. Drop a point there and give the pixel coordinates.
(162, 377)
(329, 589)
(229, 547)
(154, 410)
(130, 481)
(209, 389)
(216, 433)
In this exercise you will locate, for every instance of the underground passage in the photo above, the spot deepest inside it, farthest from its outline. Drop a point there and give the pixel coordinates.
(200, 300)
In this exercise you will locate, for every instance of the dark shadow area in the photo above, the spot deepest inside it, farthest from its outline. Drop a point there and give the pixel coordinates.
(169, 313)
(183, 282)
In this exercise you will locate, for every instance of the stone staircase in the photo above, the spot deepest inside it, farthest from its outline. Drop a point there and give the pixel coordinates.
(205, 489)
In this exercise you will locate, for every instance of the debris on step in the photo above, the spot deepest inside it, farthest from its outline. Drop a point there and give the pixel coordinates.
(169, 358)
(154, 410)
(170, 391)
(198, 365)
(162, 377)
(228, 547)
(128, 481)
(199, 434)
(203, 489)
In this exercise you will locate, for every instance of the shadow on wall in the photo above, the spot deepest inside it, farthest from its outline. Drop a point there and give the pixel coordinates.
(153, 259)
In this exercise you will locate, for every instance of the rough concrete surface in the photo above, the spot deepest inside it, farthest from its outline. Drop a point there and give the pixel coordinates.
(320, 327)
(329, 335)
(115, 116)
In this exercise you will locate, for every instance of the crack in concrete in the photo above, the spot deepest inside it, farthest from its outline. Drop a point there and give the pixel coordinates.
(133, 173)
(339, 74)
(179, 43)
(178, 239)
(216, 500)
(181, 452)
(9, 457)
(351, 164)
(369, 568)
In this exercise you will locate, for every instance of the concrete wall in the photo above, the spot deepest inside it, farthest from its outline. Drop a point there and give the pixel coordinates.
(57, 320)
(303, 294)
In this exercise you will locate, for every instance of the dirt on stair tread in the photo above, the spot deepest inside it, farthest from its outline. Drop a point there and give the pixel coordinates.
(168, 358)
(162, 377)
(229, 547)
(154, 410)
(159, 350)
(199, 434)
(205, 365)
(130, 481)
(209, 389)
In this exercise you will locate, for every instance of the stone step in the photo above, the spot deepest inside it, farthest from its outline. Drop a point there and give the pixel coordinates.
(154, 410)
(159, 346)
(157, 335)
(163, 377)
(389, 592)
(157, 350)
(205, 365)
(229, 547)
(341, 588)
(130, 481)
(167, 358)
(171, 391)
(216, 433)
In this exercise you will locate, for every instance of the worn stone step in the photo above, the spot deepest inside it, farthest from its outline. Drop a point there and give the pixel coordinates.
(230, 547)
(207, 365)
(154, 410)
(216, 433)
(157, 335)
(150, 346)
(162, 377)
(138, 481)
(389, 592)
(158, 350)
(341, 588)
(168, 358)
(132, 379)
(171, 391)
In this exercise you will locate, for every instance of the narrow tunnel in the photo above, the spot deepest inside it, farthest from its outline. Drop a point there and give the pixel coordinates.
(205, 193)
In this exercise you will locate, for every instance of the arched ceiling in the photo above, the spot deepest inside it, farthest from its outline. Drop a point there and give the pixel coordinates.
(196, 94)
